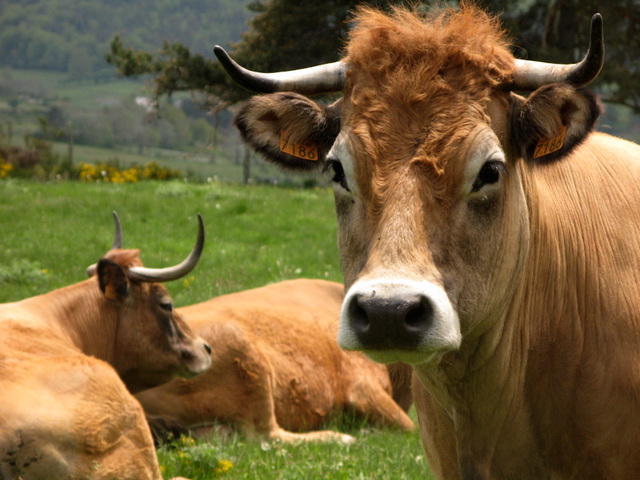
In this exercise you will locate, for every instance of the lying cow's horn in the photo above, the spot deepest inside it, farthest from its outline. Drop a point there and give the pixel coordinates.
(144, 274)
(117, 236)
(326, 78)
(117, 242)
(531, 75)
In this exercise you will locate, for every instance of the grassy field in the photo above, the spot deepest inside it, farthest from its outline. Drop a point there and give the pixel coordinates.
(255, 235)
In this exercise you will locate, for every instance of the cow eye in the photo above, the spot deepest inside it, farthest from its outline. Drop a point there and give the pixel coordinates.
(338, 173)
(489, 174)
(166, 306)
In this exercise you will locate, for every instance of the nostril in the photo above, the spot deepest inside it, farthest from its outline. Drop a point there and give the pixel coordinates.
(418, 316)
(207, 348)
(358, 315)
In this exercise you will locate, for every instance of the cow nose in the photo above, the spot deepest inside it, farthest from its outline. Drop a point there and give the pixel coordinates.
(398, 322)
(397, 319)
(207, 348)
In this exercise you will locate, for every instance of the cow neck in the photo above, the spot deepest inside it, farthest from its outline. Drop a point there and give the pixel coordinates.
(81, 316)
(481, 387)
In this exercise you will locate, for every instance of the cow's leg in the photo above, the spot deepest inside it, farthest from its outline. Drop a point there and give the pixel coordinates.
(238, 388)
(367, 392)
(324, 436)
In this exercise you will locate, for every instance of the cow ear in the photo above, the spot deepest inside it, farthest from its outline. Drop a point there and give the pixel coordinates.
(553, 120)
(289, 129)
(113, 280)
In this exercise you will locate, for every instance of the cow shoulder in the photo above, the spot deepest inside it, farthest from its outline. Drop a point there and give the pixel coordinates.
(553, 120)
(289, 129)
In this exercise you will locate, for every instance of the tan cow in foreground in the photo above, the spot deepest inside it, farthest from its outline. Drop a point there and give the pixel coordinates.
(491, 240)
(65, 413)
(277, 368)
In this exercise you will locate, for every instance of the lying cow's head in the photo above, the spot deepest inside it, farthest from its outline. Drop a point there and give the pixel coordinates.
(152, 342)
(426, 150)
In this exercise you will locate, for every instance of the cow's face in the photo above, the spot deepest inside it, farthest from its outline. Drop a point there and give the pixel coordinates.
(423, 240)
(429, 154)
(152, 343)
(432, 227)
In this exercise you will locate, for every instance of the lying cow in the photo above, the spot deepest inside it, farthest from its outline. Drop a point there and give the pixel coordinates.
(65, 413)
(276, 367)
(491, 240)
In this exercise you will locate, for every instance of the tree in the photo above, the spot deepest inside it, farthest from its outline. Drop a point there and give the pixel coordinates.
(283, 34)
(558, 31)
(286, 34)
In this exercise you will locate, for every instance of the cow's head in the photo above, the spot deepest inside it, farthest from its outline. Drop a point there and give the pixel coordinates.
(152, 342)
(426, 150)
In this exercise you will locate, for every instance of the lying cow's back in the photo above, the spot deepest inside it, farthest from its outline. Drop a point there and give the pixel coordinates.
(57, 408)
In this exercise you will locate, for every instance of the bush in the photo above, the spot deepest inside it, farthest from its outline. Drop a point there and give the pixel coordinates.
(111, 172)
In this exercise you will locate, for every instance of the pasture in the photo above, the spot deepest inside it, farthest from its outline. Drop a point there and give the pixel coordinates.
(255, 235)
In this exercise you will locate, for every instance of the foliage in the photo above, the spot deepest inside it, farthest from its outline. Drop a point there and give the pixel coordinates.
(283, 34)
(286, 34)
(112, 172)
(558, 31)
(22, 271)
(36, 160)
(128, 123)
(174, 68)
(71, 35)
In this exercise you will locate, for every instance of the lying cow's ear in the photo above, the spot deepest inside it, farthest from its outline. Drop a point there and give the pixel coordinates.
(289, 129)
(553, 120)
(113, 280)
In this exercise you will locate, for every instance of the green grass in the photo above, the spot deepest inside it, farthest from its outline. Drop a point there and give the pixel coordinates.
(255, 235)
(376, 454)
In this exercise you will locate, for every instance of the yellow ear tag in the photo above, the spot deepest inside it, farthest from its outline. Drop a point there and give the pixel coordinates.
(308, 151)
(110, 292)
(550, 145)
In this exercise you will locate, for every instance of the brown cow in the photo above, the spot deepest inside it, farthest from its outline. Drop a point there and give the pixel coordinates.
(276, 367)
(491, 240)
(64, 411)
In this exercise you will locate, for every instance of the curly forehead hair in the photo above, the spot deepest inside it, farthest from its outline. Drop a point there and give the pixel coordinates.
(415, 81)
(406, 46)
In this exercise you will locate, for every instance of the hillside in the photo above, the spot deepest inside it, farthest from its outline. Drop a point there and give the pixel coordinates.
(73, 35)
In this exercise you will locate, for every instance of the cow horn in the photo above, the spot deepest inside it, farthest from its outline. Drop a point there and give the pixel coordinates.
(326, 78)
(530, 75)
(117, 236)
(144, 274)
(117, 242)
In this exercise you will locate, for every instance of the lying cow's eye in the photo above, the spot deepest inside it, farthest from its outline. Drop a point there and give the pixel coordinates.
(338, 173)
(489, 174)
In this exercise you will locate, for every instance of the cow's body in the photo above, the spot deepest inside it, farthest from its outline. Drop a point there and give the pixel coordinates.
(276, 367)
(65, 412)
(551, 390)
(490, 240)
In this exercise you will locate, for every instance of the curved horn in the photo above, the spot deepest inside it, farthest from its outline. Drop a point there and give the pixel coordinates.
(117, 242)
(326, 78)
(117, 236)
(531, 75)
(144, 274)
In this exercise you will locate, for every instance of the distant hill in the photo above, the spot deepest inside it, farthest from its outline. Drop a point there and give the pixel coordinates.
(73, 35)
